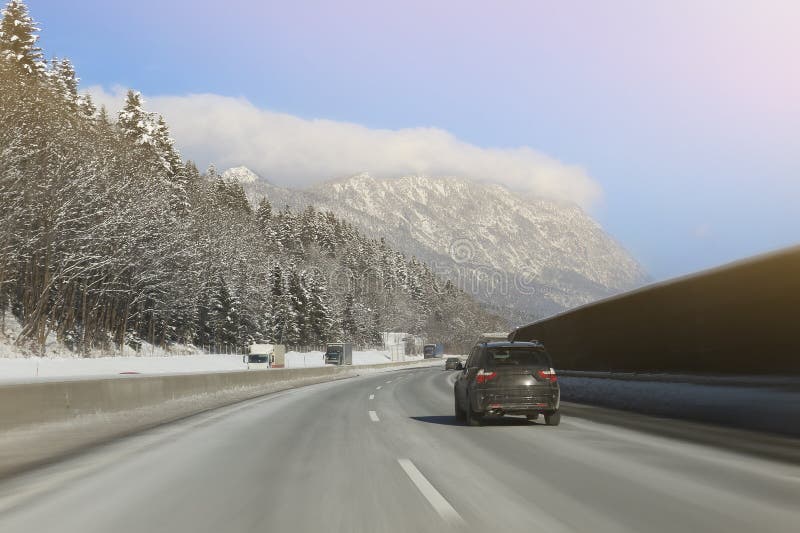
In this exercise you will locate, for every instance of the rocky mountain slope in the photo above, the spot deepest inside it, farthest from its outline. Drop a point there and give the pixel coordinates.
(241, 174)
(526, 257)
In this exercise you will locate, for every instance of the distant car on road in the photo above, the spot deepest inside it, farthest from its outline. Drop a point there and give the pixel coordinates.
(507, 378)
(452, 363)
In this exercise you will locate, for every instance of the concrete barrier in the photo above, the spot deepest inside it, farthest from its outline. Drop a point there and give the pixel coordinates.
(38, 403)
(43, 421)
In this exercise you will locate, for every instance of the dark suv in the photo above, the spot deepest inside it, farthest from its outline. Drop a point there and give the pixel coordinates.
(452, 363)
(507, 378)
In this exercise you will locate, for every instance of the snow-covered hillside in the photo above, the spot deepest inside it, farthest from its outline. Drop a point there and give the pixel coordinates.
(240, 174)
(528, 257)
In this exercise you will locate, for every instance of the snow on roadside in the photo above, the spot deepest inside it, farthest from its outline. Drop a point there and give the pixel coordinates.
(28, 369)
(18, 365)
(11, 329)
(367, 357)
(31, 368)
(304, 359)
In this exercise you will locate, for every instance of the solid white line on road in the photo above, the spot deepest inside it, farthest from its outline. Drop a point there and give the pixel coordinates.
(378, 387)
(371, 396)
(374, 416)
(433, 496)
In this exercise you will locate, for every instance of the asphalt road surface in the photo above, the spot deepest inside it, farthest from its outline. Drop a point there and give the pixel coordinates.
(383, 453)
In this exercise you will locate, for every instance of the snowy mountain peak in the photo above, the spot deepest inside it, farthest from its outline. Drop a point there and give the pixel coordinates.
(527, 256)
(356, 182)
(241, 174)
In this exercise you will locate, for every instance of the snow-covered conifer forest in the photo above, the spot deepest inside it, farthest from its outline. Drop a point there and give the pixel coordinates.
(109, 238)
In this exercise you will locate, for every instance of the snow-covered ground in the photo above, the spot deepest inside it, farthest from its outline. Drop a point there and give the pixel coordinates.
(18, 365)
(24, 369)
(31, 368)
(369, 357)
(11, 329)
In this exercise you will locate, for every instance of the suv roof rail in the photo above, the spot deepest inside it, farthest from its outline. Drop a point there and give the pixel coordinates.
(492, 337)
(535, 342)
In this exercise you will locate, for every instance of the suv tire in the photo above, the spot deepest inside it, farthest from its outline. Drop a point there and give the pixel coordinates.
(461, 415)
(553, 419)
(473, 418)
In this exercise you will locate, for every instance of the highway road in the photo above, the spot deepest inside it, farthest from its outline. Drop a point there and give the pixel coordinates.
(383, 453)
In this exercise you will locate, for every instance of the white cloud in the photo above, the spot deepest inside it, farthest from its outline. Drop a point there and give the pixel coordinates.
(292, 151)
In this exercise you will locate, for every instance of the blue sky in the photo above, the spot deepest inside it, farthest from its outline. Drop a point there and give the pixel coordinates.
(685, 114)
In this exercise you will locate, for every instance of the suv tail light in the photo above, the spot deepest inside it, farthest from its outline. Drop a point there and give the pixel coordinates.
(483, 376)
(547, 375)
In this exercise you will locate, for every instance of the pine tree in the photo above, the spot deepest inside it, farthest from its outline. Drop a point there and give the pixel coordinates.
(18, 37)
(86, 106)
(65, 83)
(327, 239)
(276, 282)
(249, 329)
(133, 122)
(286, 232)
(299, 298)
(275, 290)
(374, 334)
(102, 117)
(204, 330)
(284, 321)
(319, 319)
(230, 196)
(224, 315)
(175, 171)
(237, 332)
(164, 146)
(415, 285)
(308, 226)
(349, 322)
(264, 214)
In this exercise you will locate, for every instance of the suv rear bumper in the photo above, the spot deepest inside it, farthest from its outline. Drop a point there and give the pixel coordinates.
(505, 402)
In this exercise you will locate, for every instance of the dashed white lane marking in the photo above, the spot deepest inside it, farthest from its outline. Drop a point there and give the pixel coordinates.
(371, 396)
(374, 416)
(433, 496)
(389, 381)
(378, 387)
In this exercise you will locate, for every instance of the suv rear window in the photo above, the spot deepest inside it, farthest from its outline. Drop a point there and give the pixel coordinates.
(513, 356)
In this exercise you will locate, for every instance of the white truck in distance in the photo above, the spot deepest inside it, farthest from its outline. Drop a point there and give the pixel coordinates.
(265, 356)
